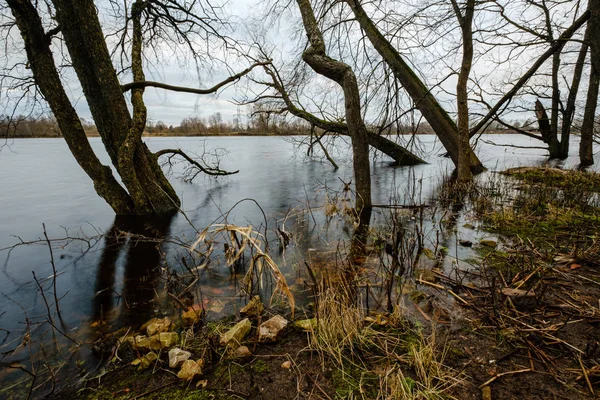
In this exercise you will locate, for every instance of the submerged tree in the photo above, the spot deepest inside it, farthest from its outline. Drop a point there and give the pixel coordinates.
(315, 56)
(533, 25)
(145, 189)
(586, 155)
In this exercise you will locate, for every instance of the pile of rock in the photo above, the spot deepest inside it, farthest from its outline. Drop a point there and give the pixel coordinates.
(160, 337)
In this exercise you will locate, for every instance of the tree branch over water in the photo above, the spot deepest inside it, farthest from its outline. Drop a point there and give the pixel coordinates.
(214, 171)
(184, 89)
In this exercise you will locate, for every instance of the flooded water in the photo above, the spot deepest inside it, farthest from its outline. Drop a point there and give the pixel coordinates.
(122, 280)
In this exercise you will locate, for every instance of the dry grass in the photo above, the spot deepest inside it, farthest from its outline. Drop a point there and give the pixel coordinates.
(239, 241)
(371, 361)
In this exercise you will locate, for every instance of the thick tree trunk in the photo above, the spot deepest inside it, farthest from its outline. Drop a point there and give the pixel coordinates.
(48, 81)
(586, 155)
(316, 57)
(431, 110)
(149, 190)
(392, 149)
(546, 131)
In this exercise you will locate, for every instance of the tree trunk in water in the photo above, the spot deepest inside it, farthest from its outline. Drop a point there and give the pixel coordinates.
(586, 155)
(546, 131)
(315, 56)
(569, 112)
(148, 188)
(400, 155)
(553, 143)
(431, 110)
(48, 81)
(464, 147)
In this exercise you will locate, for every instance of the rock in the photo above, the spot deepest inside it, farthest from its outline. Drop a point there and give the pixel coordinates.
(488, 242)
(178, 357)
(465, 243)
(269, 331)
(158, 325)
(168, 339)
(144, 342)
(286, 365)
(147, 360)
(242, 352)
(235, 335)
(306, 325)
(253, 309)
(190, 369)
(191, 317)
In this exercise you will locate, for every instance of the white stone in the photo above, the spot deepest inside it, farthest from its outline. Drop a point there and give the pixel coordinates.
(178, 357)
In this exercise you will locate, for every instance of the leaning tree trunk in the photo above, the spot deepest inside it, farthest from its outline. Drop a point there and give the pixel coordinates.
(586, 155)
(401, 155)
(432, 111)
(150, 191)
(315, 56)
(46, 77)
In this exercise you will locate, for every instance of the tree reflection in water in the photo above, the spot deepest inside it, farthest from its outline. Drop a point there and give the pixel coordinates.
(138, 240)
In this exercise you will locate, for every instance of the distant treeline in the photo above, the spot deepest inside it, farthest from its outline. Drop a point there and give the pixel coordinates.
(260, 124)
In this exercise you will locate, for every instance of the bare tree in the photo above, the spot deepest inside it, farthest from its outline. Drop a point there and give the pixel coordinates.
(443, 126)
(315, 56)
(587, 128)
(145, 189)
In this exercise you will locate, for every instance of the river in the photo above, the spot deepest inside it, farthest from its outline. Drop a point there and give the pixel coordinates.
(42, 185)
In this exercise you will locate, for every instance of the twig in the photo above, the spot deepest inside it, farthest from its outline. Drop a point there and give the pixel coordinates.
(43, 295)
(53, 268)
(585, 375)
(520, 371)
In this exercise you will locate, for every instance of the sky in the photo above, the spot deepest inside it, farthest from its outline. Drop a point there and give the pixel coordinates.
(246, 18)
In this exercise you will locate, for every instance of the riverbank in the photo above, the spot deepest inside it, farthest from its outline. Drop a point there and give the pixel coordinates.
(520, 320)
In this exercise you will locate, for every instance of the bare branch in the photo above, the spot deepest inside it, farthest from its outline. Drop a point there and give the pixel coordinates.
(144, 84)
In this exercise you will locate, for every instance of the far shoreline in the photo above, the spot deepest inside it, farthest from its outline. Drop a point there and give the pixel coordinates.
(230, 134)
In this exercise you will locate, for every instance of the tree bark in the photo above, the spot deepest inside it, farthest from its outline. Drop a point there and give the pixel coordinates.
(586, 155)
(315, 56)
(48, 81)
(464, 147)
(148, 188)
(543, 122)
(574, 90)
(443, 126)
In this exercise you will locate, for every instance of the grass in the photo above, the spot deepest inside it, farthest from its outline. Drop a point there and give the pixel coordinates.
(371, 361)
(551, 209)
